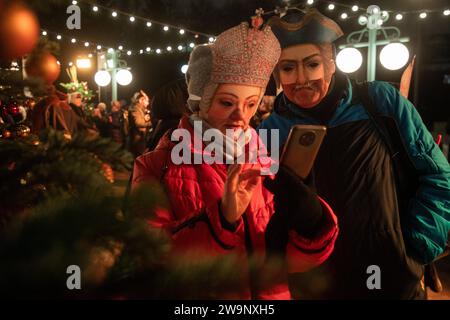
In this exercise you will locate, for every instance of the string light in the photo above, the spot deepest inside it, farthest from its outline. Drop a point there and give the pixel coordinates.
(310, 2)
(86, 44)
(90, 55)
(344, 16)
(331, 7)
(355, 8)
(423, 15)
(74, 2)
(134, 18)
(70, 63)
(129, 53)
(44, 33)
(446, 12)
(398, 16)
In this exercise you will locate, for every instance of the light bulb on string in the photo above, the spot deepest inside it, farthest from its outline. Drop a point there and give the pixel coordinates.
(120, 47)
(398, 16)
(99, 47)
(149, 24)
(129, 53)
(331, 7)
(344, 16)
(58, 37)
(114, 14)
(148, 49)
(158, 51)
(169, 48)
(310, 2)
(191, 45)
(95, 8)
(132, 19)
(446, 12)
(86, 44)
(355, 8)
(73, 40)
(166, 28)
(423, 15)
(180, 47)
(44, 33)
(182, 31)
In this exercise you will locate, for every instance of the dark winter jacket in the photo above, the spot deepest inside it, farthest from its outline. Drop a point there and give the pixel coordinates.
(354, 174)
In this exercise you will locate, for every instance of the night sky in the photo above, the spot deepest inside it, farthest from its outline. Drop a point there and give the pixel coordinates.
(430, 38)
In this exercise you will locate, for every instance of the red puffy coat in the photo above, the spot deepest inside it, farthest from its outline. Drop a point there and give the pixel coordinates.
(194, 192)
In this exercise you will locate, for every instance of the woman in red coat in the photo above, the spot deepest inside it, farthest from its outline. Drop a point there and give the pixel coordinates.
(223, 207)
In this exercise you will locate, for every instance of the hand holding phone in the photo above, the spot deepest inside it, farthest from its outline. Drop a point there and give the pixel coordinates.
(301, 148)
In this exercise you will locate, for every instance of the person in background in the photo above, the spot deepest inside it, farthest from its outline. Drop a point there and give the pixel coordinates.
(116, 123)
(53, 111)
(84, 124)
(100, 119)
(169, 104)
(139, 122)
(264, 110)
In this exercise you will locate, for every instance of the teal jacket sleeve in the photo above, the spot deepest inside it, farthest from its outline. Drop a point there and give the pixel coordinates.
(427, 225)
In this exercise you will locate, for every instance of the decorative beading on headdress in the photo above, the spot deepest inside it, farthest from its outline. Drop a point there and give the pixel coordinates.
(245, 55)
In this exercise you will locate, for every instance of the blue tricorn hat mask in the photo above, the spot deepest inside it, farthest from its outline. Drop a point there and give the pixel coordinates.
(298, 27)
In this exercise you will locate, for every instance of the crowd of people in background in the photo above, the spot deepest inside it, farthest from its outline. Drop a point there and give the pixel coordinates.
(137, 126)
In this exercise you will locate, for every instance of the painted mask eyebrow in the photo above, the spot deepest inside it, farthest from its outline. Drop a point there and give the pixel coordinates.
(235, 96)
(306, 59)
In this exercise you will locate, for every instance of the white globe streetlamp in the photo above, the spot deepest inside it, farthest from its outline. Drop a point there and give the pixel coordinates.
(102, 78)
(124, 77)
(349, 60)
(394, 56)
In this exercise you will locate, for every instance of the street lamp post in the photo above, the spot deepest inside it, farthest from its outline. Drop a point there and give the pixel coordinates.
(112, 70)
(373, 21)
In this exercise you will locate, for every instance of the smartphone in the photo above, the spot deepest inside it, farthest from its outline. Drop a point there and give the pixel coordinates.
(301, 148)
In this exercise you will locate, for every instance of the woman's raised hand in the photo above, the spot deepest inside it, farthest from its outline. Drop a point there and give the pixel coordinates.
(238, 191)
